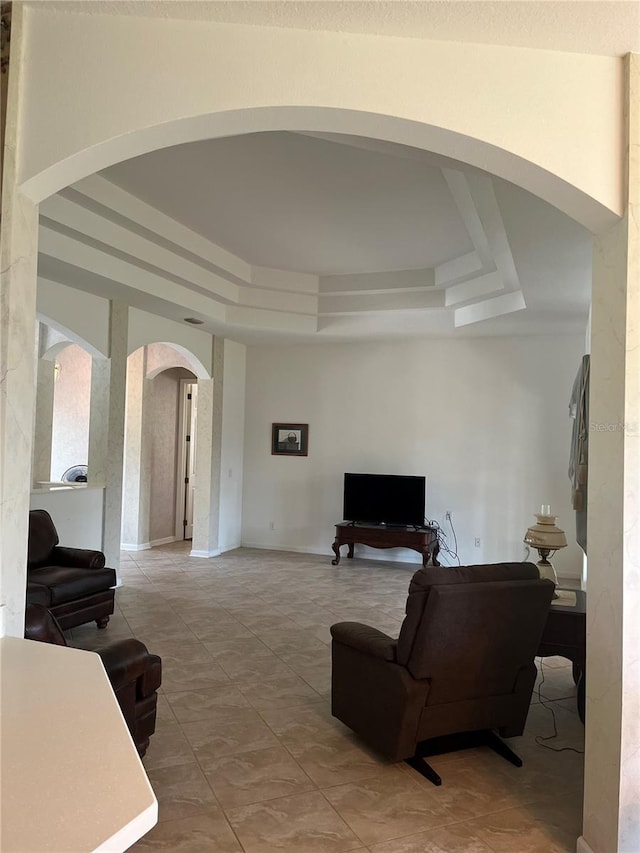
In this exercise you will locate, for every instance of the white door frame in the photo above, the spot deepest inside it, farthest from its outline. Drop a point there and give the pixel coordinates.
(184, 427)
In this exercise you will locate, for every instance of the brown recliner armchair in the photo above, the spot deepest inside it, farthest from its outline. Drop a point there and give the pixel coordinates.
(134, 673)
(72, 582)
(462, 667)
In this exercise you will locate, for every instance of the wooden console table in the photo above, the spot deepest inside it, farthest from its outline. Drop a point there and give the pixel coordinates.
(424, 540)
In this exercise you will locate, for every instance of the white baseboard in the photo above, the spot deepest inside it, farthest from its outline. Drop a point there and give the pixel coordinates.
(205, 554)
(166, 541)
(582, 846)
(262, 547)
(143, 547)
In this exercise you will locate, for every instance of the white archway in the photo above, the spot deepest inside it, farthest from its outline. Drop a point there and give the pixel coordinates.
(385, 128)
(528, 117)
(550, 122)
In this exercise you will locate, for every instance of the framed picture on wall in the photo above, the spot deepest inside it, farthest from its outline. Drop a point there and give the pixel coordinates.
(289, 439)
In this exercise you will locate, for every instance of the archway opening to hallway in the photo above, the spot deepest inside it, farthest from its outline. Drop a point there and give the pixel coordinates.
(158, 470)
(72, 367)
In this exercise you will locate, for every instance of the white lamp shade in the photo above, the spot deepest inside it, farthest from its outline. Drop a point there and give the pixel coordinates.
(545, 534)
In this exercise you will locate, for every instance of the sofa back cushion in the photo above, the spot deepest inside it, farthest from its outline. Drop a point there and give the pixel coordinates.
(43, 538)
(475, 638)
(411, 639)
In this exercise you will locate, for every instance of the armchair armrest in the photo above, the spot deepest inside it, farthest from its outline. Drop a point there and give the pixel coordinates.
(125, 661)
(365, 639)
(77, 558)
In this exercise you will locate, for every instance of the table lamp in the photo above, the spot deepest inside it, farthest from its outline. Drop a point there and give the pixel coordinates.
(545, 537)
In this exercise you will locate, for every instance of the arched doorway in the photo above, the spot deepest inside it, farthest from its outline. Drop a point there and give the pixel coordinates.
(519, 102)
(159, 451)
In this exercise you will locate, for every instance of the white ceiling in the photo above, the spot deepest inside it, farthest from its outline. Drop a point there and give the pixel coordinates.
(305, 237)
(299, 203)
(609, 28)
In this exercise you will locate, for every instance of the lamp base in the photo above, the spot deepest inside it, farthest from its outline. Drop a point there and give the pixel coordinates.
(547, 572)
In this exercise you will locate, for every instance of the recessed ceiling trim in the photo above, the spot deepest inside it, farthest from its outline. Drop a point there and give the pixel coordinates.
(485, 310)
(386, 280)
(493, 225)
(457, 269)
(86, 222)
(461, 193)
(481, 286)
(110, 195)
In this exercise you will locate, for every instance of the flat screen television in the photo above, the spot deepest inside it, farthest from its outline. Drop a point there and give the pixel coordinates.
(384, 499)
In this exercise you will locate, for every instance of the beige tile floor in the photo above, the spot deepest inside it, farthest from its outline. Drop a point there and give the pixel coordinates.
(246, 756)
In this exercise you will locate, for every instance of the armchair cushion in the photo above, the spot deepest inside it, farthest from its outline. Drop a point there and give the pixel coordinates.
(365, 639)
(38, 594)
(68, 584)
(427, 578)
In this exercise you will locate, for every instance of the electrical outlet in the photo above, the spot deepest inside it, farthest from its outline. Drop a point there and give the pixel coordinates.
(477, 542)
(271, 525)
(447, 514)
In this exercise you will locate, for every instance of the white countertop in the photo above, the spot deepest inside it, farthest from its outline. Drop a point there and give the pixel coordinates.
(71, 780)
(39, 488)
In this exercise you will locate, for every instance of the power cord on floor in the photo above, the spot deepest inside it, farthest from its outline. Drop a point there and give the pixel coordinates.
(539, 738)
(442, 539)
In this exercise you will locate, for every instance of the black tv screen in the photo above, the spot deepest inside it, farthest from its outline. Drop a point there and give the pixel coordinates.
(384, 499)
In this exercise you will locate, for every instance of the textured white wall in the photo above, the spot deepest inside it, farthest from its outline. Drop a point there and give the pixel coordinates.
(81, 314)
(486, 420)
(233, 422)
(76, 513)
(161, 357)
(71, 406)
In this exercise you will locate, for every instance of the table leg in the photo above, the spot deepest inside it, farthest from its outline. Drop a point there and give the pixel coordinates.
(434, 555)
(350, 551)
(336, 550)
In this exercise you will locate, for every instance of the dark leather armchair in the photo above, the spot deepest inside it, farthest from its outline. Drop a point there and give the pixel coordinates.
(135, 675)
(72, 582)
(463, 663)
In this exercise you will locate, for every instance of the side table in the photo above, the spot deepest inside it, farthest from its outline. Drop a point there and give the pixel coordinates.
(565, 635)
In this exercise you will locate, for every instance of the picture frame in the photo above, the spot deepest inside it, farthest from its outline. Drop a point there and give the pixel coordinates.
(289, 439)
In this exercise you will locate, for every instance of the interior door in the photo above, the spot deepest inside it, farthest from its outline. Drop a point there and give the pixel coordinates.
(190, 457)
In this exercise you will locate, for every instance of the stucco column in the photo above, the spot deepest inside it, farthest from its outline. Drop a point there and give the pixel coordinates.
(112, 512)
(135, 492)
(18, 263)
(612, 764)
(99, 420)
(206, 505)
(43, 422)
